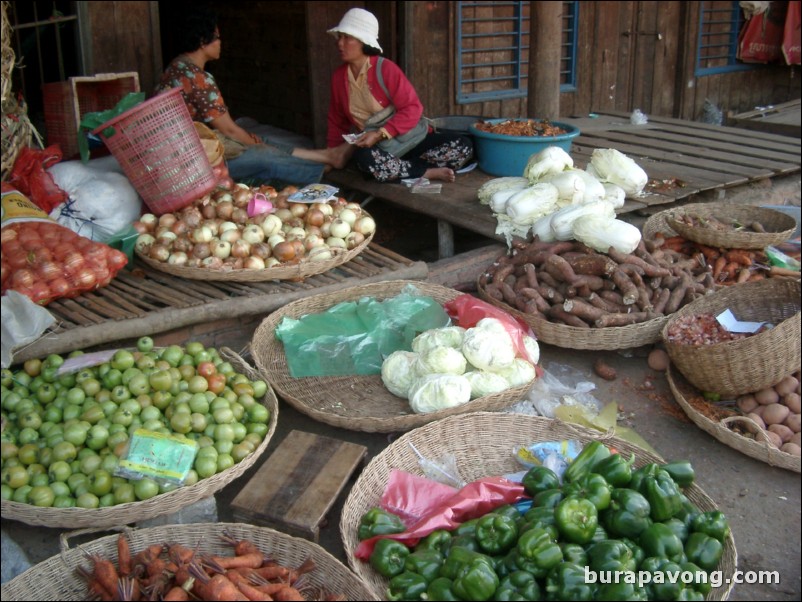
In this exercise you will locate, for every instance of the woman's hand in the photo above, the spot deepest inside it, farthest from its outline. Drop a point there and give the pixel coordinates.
(370, 138)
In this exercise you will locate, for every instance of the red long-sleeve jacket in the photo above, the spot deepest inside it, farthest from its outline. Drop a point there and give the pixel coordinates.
(409, 108)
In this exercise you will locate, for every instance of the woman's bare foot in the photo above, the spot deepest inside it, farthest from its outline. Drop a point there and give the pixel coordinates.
(440, 173)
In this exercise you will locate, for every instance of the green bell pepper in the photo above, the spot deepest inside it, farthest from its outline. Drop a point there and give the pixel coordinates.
(537, 552)
(681, 471)
(518, 585)
(647, 470)
(548, 498)
(426, 563)
(496, 533)
(577, 519)
(712, 523)
(615, 469)
(459, 557)
(679, 528)
(476, 580)
(388, 557)
(463, 541)
(591, 454)
(611, 555)
(540, 478)
(599, 534)
(440, 590)
(438, 540)
(379, 522)
(663, 495)
(637, 552)
(621, 591)
(566, 581)
(466, 528)
(665, 583)
(659, 540)
(573, 553)
(539, 516)
(701, 582)
(703, 550)
(506, 510)
(592, 487)
(406, 586)
(628, 514)
(690, 594)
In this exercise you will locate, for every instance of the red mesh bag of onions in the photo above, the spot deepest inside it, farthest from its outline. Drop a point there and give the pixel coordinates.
(46, 261)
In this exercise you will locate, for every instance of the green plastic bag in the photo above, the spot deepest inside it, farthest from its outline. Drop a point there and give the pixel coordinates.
(354, 337)
(92, 121)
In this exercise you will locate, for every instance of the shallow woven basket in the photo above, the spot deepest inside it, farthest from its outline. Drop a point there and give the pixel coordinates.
(572, 337)
(759, 448)
(779, 226)
(357, 403)
(486, 452)
(298, 271)
(738, 367)
(164, 503)
(56, 578)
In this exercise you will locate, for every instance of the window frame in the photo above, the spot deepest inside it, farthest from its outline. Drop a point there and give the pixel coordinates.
(568, 62)
(733, 64)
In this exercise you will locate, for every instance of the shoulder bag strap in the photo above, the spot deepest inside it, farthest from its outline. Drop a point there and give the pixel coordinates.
(381, 79)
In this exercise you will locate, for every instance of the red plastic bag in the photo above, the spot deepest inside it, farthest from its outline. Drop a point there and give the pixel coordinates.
(466, 310)
(445, 511)
(29, 177)
(760, 41)
(791, 35)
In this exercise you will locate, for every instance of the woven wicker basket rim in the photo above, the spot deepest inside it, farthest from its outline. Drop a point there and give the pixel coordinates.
(780, 225)
(763, 451)
(572, 337)
(56, 578)
(486, 452)
(304, 269)
(164, 503)
(359, 403)
(737, 367)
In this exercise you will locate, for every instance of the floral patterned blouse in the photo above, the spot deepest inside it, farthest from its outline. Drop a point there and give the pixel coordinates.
(198, 88)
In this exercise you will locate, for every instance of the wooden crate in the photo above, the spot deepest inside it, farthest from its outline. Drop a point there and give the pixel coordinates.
(298, 484)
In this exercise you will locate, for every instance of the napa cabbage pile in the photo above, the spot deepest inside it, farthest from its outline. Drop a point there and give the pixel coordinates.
(450, 366)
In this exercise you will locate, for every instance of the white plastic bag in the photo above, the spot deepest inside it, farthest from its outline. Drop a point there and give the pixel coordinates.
(23, 321)
(101, 203)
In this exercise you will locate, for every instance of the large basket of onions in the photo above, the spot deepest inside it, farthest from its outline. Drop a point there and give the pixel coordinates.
(220, 237)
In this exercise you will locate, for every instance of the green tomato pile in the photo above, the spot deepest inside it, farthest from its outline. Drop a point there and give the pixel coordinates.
(64, 434)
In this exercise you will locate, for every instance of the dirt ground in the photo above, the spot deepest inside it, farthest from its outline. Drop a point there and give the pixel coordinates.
(762, 502)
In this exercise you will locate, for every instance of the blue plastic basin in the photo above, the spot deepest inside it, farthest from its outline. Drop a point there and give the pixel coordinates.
(501, 155)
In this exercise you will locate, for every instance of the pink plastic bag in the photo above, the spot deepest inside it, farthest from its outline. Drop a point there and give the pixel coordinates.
(443, 511)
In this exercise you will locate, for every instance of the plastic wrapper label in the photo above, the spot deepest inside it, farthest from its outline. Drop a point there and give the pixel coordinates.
(536, 454)
(162, 457)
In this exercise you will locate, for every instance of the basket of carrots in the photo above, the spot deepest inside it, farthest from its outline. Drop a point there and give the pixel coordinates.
(202, 561)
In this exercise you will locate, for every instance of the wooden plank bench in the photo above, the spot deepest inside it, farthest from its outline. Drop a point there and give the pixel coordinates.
(682, 158)
(298, 484)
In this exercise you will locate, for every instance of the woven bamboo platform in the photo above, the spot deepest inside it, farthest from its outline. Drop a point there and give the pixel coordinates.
(145, 300)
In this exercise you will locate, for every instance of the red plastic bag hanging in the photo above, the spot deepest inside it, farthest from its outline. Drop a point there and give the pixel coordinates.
(791, 36)
(29, 177)
(760, 41)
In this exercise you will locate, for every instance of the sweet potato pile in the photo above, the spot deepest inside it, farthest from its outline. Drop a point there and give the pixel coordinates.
(569, 283)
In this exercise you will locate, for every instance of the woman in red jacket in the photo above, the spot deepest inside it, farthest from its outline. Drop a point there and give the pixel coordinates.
(371, 96)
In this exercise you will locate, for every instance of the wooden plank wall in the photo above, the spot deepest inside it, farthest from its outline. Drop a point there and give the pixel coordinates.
(120, 37)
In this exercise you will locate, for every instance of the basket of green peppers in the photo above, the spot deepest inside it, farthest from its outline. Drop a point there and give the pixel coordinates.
(628, 512)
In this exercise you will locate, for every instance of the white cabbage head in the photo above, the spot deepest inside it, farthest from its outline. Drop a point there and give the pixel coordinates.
(486, 383)
(435, 392)
(449, 336)
(398, 372)
(488, 346)
(519, 373)
(440, 360)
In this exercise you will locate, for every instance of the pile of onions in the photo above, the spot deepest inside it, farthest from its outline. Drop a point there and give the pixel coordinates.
(216, 232)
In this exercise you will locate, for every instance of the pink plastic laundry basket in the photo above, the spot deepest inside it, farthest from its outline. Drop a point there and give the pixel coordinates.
(160, 152)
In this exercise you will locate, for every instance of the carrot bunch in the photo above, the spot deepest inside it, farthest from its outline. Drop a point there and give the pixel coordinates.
(172, 571)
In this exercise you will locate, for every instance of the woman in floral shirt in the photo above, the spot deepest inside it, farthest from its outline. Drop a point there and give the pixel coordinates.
(249, 157)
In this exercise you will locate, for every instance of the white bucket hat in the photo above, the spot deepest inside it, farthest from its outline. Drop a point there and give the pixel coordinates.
(360, 24)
